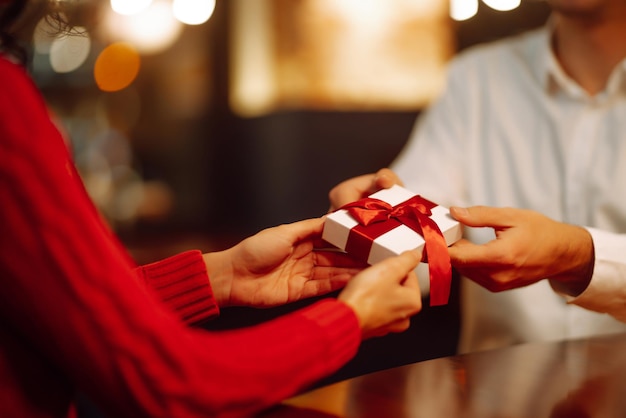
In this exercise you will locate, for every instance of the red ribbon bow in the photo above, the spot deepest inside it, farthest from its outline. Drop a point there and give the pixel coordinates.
(377, 217)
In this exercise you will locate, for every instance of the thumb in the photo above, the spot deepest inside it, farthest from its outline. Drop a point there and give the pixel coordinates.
(398, 268)
(407, 262)
(482, 216)
(385, 178)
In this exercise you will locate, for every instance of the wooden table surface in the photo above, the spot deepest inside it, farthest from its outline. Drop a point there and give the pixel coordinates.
(570, 379)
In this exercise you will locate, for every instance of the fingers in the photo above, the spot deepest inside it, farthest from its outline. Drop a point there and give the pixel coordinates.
(464, 253)
(412, 285)
(411, 281)
(350, 190)
(300, 230)
(485, 216)
(361, 186)
(385, 294)
(384, 179)
(398, 267)
(398, 326)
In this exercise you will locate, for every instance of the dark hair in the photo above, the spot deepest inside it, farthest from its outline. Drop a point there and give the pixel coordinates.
(9, 14)
(18, 19)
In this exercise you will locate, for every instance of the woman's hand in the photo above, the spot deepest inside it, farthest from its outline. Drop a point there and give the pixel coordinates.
(278, 265)
(362, 186)
(385, 295)
(528, 247)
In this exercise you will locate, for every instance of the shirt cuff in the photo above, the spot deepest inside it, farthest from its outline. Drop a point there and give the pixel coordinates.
(606, 292)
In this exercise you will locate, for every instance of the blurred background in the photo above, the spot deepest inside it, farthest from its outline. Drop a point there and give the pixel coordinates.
(195, 123)
(208, 120)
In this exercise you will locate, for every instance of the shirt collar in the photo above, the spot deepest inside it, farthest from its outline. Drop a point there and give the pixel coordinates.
(555, 80)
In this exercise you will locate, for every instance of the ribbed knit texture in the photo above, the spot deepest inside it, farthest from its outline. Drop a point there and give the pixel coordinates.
(181, 282)
(74, 315)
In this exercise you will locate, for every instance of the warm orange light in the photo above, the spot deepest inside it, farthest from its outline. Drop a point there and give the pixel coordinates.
(116, 67)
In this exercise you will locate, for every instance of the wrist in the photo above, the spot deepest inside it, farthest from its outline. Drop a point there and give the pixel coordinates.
(580, 251)
(219, 270)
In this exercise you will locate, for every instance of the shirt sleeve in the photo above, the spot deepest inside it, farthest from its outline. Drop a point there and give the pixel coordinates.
(607, 290)
(70, 290)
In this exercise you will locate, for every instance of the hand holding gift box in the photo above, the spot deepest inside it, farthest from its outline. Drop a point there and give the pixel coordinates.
(392, 221)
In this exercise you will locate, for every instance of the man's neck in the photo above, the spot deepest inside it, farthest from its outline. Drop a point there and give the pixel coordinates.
(589, 49)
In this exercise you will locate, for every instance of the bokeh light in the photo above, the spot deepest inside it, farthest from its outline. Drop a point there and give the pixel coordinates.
(152, 31)
(116, 67)
(193, 12)
(502, 5)
(68, 52)
(463, 9)
(129, 7)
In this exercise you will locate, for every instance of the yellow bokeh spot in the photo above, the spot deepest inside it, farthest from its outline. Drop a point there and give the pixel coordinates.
(116, 67)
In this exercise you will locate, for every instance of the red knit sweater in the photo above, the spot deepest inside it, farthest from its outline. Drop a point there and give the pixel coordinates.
(76, 314)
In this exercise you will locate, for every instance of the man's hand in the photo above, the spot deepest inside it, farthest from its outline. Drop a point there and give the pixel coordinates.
(528, 247)
(360, 187)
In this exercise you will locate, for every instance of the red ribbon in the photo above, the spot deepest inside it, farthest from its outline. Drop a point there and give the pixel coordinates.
(377, 217)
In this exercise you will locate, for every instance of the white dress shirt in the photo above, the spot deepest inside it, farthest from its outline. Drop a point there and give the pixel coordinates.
(512, 129)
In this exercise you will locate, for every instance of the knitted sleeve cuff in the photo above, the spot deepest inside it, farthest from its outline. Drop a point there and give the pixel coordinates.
(182, 283)
(341, 328)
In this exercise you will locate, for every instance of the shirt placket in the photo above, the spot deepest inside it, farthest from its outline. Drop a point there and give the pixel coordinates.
(579, 165)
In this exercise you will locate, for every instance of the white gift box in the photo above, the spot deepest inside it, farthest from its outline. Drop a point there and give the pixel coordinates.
(338, 225)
